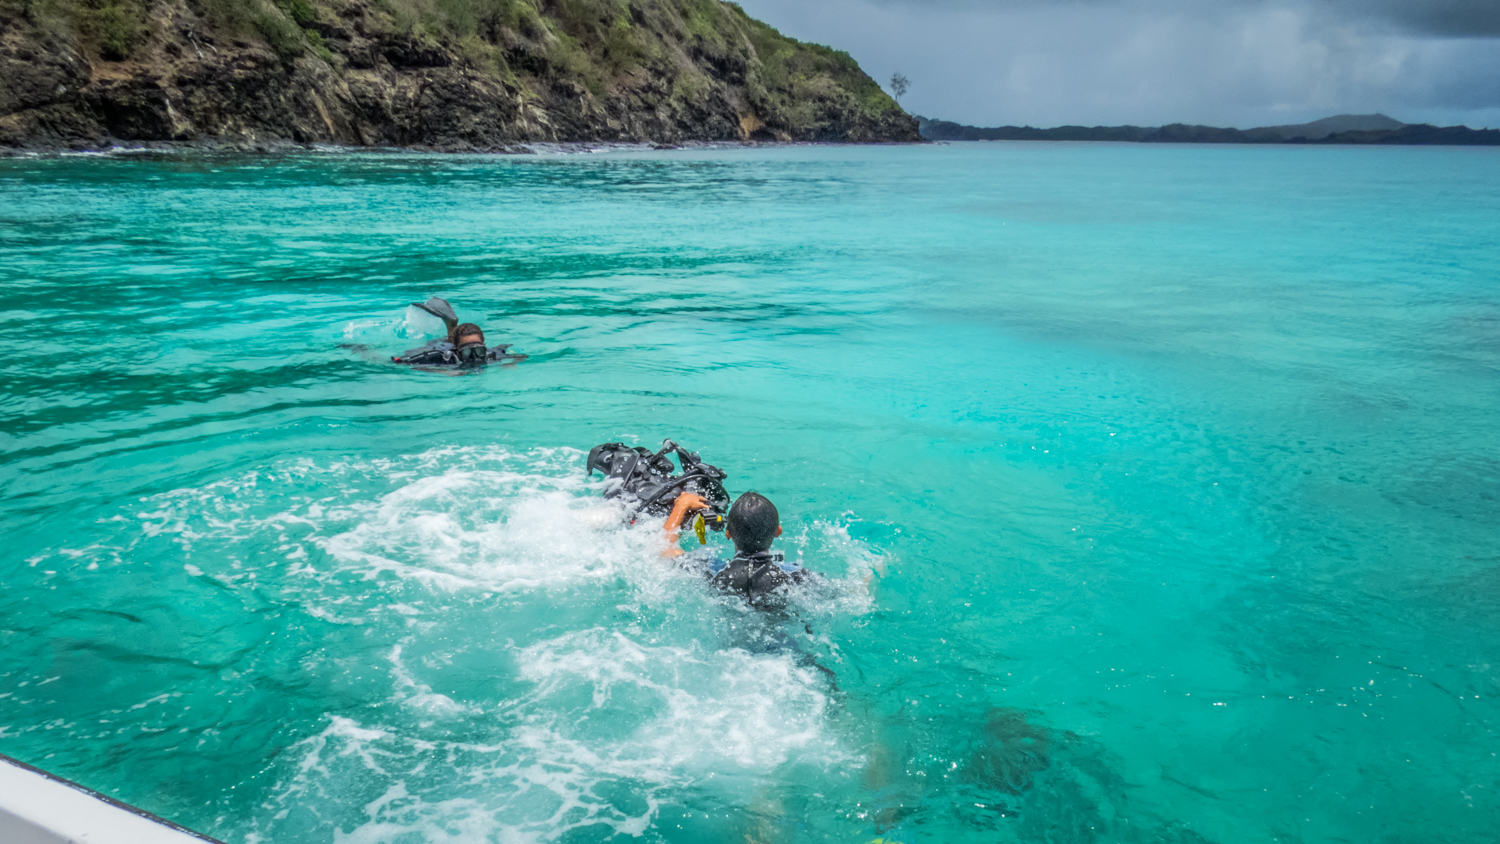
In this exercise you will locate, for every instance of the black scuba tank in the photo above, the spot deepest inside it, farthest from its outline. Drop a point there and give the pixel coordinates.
(648, 483)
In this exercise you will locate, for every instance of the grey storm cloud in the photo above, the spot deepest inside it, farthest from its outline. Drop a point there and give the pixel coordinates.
(1449, 18)
(1219, 62)
(1458, 18)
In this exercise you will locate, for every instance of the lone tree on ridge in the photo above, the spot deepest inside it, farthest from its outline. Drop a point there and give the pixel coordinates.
(899, 84)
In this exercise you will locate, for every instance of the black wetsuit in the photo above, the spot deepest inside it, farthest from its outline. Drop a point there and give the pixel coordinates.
(759, 579)
(765, 585)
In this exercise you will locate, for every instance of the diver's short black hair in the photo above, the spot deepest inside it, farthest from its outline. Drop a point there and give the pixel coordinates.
(752, 523)
(466, 330)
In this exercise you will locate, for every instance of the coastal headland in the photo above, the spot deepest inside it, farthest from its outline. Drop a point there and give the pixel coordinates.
(460, 75)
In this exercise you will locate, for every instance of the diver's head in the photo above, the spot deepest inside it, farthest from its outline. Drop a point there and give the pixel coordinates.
(468, 342)
(467, 333)
(753, 523)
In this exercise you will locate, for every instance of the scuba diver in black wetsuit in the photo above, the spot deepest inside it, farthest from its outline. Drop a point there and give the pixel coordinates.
(645, 480)
(464, 346)
(755, 572)
(467, 349)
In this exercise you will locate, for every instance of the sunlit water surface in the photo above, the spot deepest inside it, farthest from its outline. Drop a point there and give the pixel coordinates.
(1157, 486)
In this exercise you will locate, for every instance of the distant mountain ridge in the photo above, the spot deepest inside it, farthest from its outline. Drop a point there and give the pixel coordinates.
(1320, 129)
(1339, 129)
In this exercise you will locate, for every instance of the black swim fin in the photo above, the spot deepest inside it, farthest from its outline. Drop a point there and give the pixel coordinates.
(440, 309)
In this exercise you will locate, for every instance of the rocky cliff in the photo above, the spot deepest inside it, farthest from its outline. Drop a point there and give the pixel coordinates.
(445, 74)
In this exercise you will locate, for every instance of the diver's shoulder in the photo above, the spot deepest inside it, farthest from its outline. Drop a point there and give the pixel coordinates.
(701, 561)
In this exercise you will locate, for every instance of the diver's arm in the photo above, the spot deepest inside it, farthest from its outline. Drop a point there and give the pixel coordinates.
(685, 503)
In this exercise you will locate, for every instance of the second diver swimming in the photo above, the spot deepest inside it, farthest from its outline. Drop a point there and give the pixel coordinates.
(464, 347)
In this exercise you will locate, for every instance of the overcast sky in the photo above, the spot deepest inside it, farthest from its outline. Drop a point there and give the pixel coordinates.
(1236, 63)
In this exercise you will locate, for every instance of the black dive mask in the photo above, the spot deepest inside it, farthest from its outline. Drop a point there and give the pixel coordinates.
(471, 353)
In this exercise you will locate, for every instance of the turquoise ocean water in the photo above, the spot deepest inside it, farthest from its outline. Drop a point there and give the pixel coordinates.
(1157, 485)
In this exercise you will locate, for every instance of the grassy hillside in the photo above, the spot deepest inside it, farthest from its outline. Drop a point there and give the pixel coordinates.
(356, 71)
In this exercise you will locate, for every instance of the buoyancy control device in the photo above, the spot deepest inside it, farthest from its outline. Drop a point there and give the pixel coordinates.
(646, 482)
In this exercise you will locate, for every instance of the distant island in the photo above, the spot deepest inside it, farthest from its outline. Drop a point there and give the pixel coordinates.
(451, 75)
(1340, 129)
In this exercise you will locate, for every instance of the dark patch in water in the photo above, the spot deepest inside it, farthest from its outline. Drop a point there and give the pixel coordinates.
(1013, 777)
(1012, 753)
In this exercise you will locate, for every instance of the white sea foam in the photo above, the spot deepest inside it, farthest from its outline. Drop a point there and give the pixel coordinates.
(420, 696)
(611, 728)
(711, 711)
(418, 323)
(363, 328)
(486, 529)
(526, 662)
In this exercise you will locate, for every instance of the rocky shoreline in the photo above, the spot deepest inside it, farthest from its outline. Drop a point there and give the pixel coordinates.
(361, 73)
(237, 148)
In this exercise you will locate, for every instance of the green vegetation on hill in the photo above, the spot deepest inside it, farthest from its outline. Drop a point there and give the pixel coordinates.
(514, 70)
